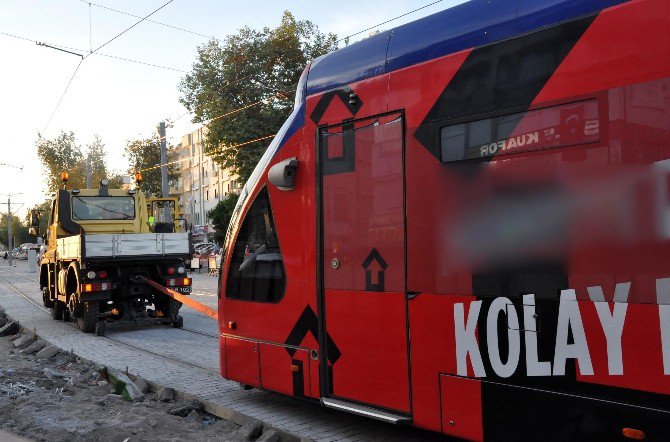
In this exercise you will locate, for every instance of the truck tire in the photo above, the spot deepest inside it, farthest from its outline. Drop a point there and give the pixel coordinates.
(179, 323)
(57, 310)
(89, 317)
(169, 307)
(46, 300)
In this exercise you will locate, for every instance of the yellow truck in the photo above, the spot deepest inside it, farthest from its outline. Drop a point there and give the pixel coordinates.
(101, 247)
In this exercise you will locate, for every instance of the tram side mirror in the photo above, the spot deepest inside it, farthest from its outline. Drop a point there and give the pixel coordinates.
(282, 174)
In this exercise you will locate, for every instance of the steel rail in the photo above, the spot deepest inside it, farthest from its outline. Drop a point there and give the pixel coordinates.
(69, 324)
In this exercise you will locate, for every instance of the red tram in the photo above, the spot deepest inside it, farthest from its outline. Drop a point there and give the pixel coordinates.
(464, 225)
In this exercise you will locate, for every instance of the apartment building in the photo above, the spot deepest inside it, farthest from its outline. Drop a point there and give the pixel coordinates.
(201, 183)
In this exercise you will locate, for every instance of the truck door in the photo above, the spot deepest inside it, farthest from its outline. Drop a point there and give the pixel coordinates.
(363, 248)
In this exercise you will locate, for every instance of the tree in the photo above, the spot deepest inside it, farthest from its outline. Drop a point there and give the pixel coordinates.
(63, 153)
(59, 154)
(251, 78)
(144, 156)
(221, 214)
(19, 231)
(97, 153)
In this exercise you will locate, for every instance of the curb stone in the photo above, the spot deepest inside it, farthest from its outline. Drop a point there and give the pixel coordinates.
(24, 341)
(47, 352)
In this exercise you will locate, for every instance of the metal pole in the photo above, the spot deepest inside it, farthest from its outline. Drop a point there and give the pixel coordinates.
(9, 230)
(88, 171)
(164, 168)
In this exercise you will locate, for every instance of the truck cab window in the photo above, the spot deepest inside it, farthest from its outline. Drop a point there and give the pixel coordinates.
(103, 208)
(256, 270)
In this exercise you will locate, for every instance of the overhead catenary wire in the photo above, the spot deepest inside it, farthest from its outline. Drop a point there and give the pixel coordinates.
(67, 88)
(131, 27)
(389, 20)
(59, 46)
(149, 20)
(255, 140)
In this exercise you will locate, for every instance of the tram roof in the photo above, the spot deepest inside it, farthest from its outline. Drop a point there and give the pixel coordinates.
(468, 25)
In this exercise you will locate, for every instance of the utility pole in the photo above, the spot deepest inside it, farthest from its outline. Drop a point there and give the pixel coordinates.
(9, 230)
(164, 167)
(88, 171)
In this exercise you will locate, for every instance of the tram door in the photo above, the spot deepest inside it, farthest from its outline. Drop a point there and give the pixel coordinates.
(365, 302)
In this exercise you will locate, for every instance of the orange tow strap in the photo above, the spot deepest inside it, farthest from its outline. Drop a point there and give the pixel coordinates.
(207, 311)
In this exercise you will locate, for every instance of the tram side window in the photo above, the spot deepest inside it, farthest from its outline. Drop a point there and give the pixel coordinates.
(563, 125)
(256, 269)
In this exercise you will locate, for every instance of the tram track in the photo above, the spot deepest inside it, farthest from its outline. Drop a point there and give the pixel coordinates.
(118, 341)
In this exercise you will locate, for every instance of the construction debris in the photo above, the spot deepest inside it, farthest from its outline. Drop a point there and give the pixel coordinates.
(165, 394)
(251, 430)
(186, 409)
(64, 399)
(123, 385)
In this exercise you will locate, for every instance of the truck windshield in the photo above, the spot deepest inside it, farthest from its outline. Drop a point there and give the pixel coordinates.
(103, 207)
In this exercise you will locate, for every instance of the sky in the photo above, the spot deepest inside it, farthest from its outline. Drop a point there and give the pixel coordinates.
(120, 100)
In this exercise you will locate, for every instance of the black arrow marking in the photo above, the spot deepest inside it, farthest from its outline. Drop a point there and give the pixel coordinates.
(343, 93)
(309, 323)
(375, 256)
(500, 77)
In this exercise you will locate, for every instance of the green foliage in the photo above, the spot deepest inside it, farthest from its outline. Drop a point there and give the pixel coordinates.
(220, 216)
(145, 154)
(19, 231)
(251, 67)
(59, 154)
(63, 153)
(97, 153)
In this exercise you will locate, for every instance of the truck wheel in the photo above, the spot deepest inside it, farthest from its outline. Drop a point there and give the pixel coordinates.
(89, 317)
(46, 300)
(169, 307)
(179, 323)
(100, 328)
(57, 310)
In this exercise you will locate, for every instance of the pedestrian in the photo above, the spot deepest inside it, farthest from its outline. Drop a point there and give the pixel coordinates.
(4, 255)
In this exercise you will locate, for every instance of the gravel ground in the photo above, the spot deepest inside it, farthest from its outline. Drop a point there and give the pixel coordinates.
(67, 399)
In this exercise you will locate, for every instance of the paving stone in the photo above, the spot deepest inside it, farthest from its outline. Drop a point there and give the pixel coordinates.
(24, 341)
(141, 384)
(123, 385)
(10, 328)
(47, 352)
(268, 436)
(34, 347)
(250, 430)
(3, 321)
(165, 394)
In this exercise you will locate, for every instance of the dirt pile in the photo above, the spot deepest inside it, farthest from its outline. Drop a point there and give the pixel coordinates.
(63, 398)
